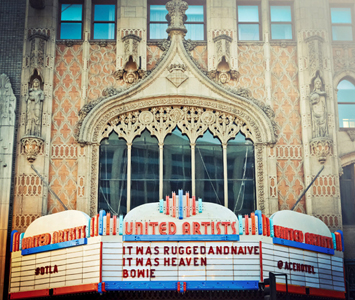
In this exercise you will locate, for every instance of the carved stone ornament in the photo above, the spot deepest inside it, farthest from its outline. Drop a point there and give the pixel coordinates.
(177, 75)
(34, 108)
(7, 101)
(351, 134)
(321, 147)
(223, 48)
(318, 106)
(223, 76)
(130, 45)
(176, 16)
(37, 39)
(32, 146)
(130, 76)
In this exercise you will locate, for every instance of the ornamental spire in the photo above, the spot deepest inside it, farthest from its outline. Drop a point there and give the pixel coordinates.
(176, 16)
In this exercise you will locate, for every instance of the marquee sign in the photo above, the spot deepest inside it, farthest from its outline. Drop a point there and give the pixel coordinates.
(177, 244)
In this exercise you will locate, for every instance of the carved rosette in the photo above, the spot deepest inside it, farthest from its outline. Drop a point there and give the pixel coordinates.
(321, 147)
(32, 146)
(176, 16)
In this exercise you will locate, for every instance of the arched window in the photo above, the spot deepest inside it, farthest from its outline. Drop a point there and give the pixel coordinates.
(113, 175)
(150, 154)
(346, 104)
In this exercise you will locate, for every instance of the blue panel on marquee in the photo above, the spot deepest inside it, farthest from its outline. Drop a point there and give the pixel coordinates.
(172, 285)
(140, 285)
(179, 237)
(303, 246)
(57, 246)
(222, 285)
(12, 239)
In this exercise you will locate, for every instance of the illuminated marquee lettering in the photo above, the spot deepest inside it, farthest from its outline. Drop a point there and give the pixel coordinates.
(169, 228)
(56, 237)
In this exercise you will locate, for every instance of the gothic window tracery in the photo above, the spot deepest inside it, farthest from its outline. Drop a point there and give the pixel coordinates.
(147, 154)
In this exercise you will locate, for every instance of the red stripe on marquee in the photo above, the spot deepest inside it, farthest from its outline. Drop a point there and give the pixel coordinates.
(252, 217)
(29, 294)
(108, 223)
(326, 293)
(91, 287)
(167, 208)
(246, 225)
(261, 261)
(293, 289)
(114, 225)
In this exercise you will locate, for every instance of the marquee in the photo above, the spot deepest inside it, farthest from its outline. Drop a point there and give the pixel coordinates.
(179, 243)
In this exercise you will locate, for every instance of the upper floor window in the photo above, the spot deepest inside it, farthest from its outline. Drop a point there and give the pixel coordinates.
(346, 104)
(249, 22)
(281, 22)
(342, 24)
(103, 19)
(195, 23)
(71, 20)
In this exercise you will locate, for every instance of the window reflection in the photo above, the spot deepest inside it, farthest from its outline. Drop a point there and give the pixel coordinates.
(241, 181)
(177, 163)
(113, 175)
(71, 18)
(346, 104)
(209, 169)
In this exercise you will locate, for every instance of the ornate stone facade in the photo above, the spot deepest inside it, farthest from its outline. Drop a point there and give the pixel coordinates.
(280, 95)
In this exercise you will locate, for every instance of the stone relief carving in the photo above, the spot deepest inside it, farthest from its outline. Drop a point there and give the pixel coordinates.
(176, 16)
(32, 141)
(38, 39)
(130, 45)
(177, 75)
(131, 60)
(322, 148)
(315, 50)
(223, 73)
(32, 147)
(317, 100)
(321, 145)
(7, 101)
(34, 109)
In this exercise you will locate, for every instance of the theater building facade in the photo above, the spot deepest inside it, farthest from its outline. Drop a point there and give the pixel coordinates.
(160, 148)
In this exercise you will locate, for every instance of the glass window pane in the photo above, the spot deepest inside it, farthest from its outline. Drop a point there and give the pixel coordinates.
(70, 31)
(104, 13)
(177, 163)
(280, 13)
(342, 33)
(145, 170)
(347, 190)
(346, 91)
(72, 12)
(341, 15)
(281, 31)
(195, 13)
(346, 115)
(158, 13)
(248, 32)
(113, 175)
(158, 31)
(248, 13)
(195, 32)
(241, 181)
(104, 31)
(209, 169)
